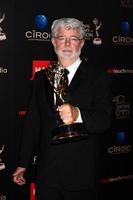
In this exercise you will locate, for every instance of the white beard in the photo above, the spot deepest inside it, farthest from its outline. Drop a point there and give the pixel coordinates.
(67, 54)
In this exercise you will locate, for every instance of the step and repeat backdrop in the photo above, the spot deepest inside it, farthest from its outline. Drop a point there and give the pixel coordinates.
(25, 48)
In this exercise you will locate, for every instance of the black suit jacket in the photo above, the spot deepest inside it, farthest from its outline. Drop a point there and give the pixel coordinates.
(73, 165)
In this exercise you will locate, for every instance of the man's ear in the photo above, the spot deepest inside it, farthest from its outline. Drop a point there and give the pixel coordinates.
(53, 41)
(83, 42)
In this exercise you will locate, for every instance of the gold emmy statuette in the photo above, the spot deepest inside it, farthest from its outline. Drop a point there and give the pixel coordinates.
(63, 132)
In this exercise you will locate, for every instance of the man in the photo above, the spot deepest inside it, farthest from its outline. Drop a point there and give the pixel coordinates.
(68, 170)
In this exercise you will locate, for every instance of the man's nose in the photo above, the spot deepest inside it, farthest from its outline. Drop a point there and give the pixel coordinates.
(67, 41)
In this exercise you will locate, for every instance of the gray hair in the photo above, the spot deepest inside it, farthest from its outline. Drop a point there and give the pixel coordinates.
(68, 23)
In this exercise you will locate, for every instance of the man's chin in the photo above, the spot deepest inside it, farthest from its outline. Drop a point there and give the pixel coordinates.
(67, 58)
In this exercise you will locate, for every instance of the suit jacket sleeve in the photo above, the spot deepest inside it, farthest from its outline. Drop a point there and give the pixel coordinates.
(31, 130)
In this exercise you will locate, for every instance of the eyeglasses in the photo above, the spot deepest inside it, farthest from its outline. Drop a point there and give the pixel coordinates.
(63, 39)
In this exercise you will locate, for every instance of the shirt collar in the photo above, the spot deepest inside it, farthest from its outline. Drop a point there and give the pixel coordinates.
(72, 68)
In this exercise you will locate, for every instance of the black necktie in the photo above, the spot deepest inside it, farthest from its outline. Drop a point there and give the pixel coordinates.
(65, 78)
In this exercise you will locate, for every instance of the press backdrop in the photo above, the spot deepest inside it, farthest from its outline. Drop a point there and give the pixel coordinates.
(25, 48)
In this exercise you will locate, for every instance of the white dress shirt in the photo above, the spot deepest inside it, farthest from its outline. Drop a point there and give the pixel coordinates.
(72, 69)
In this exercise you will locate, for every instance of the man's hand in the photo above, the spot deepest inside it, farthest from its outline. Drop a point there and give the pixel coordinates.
(68, 113)
(18, 176)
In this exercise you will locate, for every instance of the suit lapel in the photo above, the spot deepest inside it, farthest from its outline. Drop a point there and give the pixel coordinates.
(79, 77)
